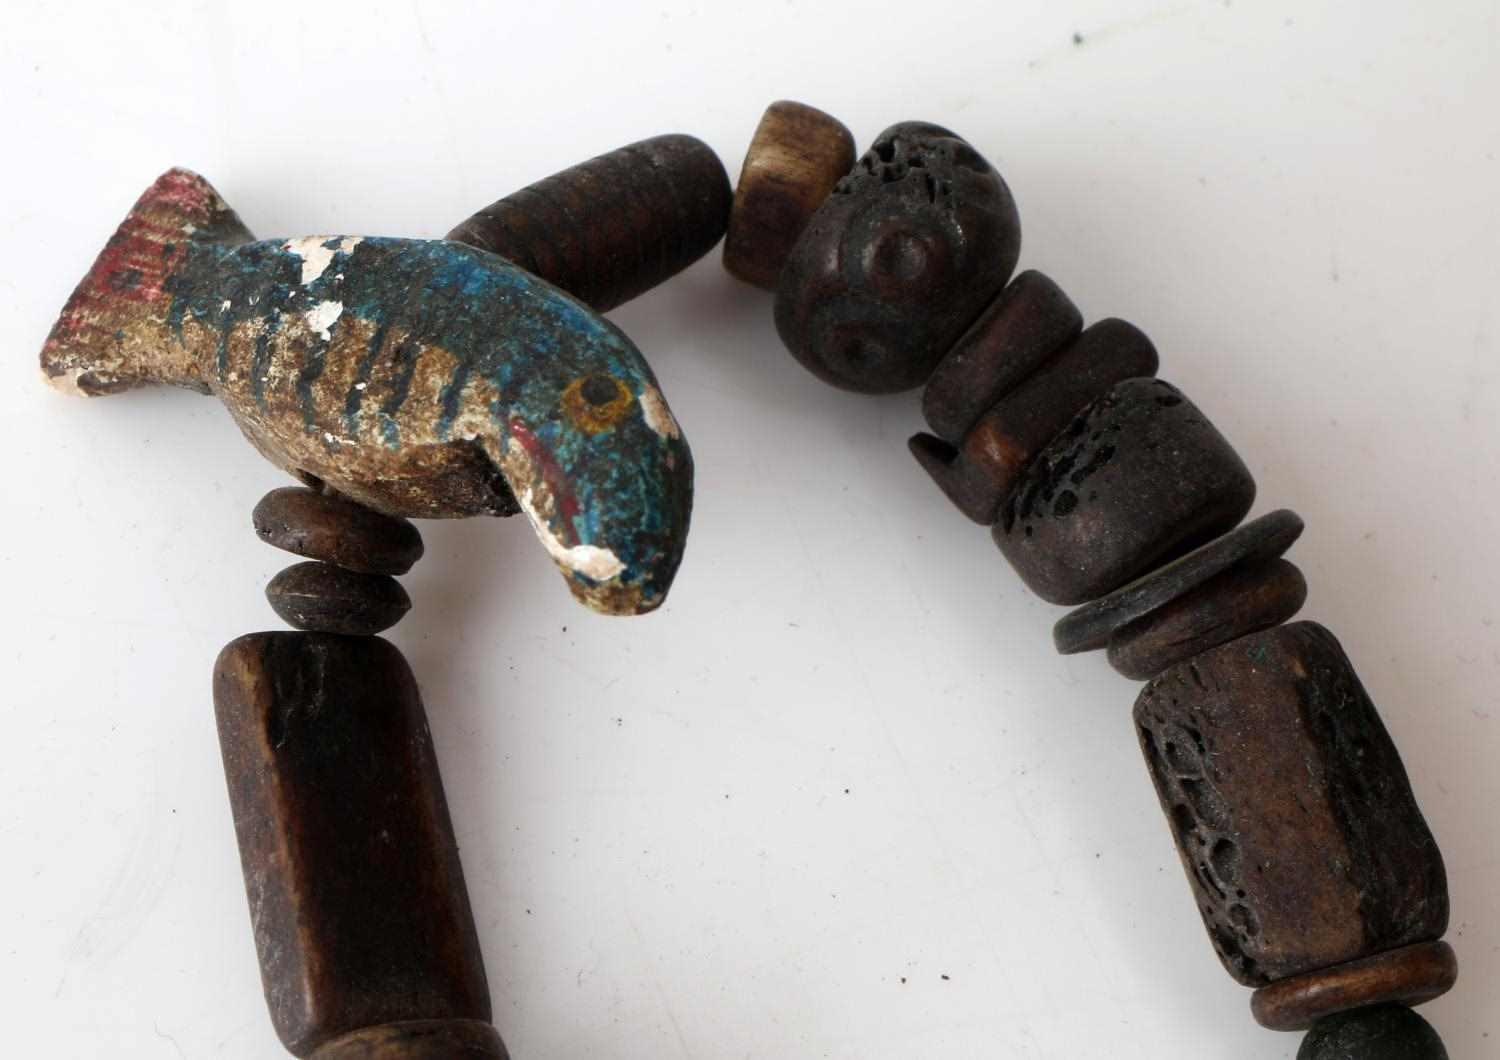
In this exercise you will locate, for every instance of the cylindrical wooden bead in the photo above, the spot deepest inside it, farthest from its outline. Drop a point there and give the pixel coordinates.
(1290, 807)
(797, 155)
(1239, 601)
(1408, 976)
(1381, 1032)
(356, 896)
(1091, 626)
(1139, 478)
(615, 226)
(327, 599)
(1015, 335)
(418, 1040)
(898, 261)
(980, 475)
(336, 530)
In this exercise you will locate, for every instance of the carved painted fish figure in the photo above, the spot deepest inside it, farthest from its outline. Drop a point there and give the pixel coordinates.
(419, 377)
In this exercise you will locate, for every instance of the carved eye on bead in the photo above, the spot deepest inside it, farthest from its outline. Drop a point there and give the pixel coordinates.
(595, 403)
(906, 261)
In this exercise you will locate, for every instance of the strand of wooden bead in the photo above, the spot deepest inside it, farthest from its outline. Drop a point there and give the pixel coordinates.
(1109, 489)
(361, 918)
(615, 226)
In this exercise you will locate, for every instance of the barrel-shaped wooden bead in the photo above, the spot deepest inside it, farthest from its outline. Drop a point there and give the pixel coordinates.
(1408, 976)
(898, 261)
(797, 155)
(418, 1040)
(1381, 1032)
(336, 530)
(979, 475)
(327, 599)
(615, 226)
(1239, 601)
(1139, 478)
(1015, 335)
(1290, 807)
(356, 896)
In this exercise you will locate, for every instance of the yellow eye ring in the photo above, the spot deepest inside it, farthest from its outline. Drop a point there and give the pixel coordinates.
(595, 403)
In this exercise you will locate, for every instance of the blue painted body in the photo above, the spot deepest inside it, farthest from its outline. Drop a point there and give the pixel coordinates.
(610, 480)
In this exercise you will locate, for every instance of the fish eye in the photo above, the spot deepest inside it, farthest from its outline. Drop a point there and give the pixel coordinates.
(597, 402)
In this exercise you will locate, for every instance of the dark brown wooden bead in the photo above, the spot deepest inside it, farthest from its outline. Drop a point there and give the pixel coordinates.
(328, 599)
(797, 155)
(1381, 1032)
(1407, 976)
(615, 226)
(418, 1040)
(979, 476)
(1290, 806)
(356, 896)
(1239, 601)
(1029, 322)
(898, 261)
(336, 530)
(1139, 478)
(1091, 626)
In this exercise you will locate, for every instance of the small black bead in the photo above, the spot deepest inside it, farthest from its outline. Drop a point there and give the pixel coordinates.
(1380, 1032)
(327, 599)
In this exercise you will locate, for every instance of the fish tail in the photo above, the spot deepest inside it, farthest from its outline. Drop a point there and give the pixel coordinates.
(114, 332)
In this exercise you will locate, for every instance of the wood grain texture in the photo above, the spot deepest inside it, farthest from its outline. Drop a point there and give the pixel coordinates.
(980, 474)
(797, 155)
(1410, 975)
(1290, 806)
(1239, 601)
(611, 228)
(356, 895)
(1030, 321)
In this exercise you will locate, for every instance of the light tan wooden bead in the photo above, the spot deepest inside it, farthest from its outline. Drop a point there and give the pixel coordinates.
(797, 155)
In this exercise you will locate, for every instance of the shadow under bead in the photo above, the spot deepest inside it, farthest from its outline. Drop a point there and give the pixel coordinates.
(1382, 1032)
(613, 227)
(1139, 478)
(898, 261)
(796, 156)
(1292, 813)
(982, 472)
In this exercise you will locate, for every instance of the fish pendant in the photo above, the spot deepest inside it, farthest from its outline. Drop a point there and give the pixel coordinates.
(421, 378)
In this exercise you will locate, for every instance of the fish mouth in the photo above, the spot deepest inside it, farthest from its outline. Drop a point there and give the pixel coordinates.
(616, 560)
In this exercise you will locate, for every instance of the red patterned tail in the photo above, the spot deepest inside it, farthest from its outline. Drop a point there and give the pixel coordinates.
(109, 335)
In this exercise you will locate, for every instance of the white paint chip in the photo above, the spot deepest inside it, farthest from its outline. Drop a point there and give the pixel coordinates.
(321, 317)
(656, 414)
(315, 256)
(591, 561)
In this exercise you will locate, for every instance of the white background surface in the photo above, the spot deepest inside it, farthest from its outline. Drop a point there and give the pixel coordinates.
(839, 799)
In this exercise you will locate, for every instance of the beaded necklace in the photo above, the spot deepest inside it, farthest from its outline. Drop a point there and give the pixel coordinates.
(403, 378)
